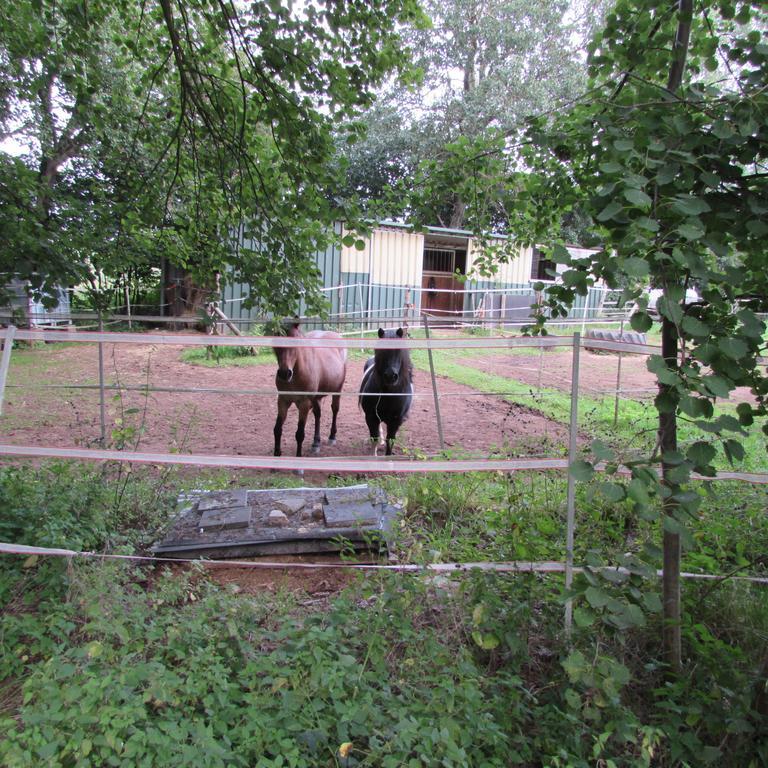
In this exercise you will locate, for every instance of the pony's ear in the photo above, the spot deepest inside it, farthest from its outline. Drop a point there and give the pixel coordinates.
(381, 333)
(400, 333)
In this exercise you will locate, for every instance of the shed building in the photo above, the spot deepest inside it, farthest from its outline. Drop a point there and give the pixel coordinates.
(400, 272)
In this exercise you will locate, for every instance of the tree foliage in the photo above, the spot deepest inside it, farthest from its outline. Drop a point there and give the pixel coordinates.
(668, 156)
(485, 64)
(180, 129)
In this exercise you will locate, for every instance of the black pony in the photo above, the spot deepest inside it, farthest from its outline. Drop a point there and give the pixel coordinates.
(386, 392)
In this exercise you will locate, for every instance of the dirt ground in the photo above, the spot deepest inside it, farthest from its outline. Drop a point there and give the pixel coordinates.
(234, 423)
(242, 424)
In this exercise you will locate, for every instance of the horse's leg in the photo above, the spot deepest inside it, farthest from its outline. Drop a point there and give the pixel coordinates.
(316, 413)
(304, 408)
(372, 420)
(282, 410)
(392, 427)
(335, 400)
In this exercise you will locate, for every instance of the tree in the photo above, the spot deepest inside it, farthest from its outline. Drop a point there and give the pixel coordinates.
(486, 65)
(183, 129)
(667, 154)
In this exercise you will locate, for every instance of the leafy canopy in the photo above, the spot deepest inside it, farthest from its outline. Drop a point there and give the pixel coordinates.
(183, 130)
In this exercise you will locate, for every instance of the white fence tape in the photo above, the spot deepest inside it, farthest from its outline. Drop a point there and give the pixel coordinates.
(331, 464)
(287, 463)
(551, 566)
(202, 340)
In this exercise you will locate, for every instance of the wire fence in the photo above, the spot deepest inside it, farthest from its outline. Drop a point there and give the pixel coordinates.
(336, 464)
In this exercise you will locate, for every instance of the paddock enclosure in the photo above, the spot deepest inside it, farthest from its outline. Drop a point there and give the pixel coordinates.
(166, 410)
(160, 403)
(239, 424)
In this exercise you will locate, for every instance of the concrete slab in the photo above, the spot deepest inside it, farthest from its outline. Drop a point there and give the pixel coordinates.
(226, 518)
(222, 500)
(250, 522)
(350, 514)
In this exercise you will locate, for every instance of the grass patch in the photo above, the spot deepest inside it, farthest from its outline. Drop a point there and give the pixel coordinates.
(397, 671)
(227, 356)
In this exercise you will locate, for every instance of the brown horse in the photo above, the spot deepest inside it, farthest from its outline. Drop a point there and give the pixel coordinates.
(303, 370)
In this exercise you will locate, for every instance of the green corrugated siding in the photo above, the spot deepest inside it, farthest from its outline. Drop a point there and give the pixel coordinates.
(328, 263)
(385, 300)
(354, 301)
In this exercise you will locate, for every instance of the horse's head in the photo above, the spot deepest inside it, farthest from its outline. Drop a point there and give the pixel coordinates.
(392, 365)
(287, 356)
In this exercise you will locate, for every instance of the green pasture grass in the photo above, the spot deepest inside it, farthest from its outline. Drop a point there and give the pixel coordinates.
(521, 516)
(227, 356)
(167, 667)
(634, 431)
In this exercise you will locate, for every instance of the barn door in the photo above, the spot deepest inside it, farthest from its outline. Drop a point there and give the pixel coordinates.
(439, 284)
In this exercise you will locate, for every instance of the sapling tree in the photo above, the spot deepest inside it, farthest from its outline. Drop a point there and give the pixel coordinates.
(667, 152)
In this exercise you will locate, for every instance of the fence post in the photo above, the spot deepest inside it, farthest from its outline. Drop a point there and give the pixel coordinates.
(434, 385)
(127, 292)
(618, 380)
(102, 393)
(571, 496)
(5, 363)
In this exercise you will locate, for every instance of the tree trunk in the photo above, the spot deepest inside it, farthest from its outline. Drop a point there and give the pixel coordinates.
(668, 421)
(671, 545)
(458, 212)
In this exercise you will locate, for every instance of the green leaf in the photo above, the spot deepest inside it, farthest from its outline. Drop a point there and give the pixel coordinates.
(609, 211)
(670, 308)
(637, 197)
(614, 576)
(583, 617)
(581, 470)
(575, 665)
(717, 385)
(613, 492)
(693, 229)
(667, 174)
(744, 411)
(752, 326)
(665, 374)
(672, 525)
(688, 205)
(648, 224)
(641, 321)
(635, 266)
(601, 451)
(666, 402)
(485, 640)
(701, 454)
(679, 474)
(638, 492)
(652, 602)
(734, 451)
(694, 327)
(732, 347)
(597, 598)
